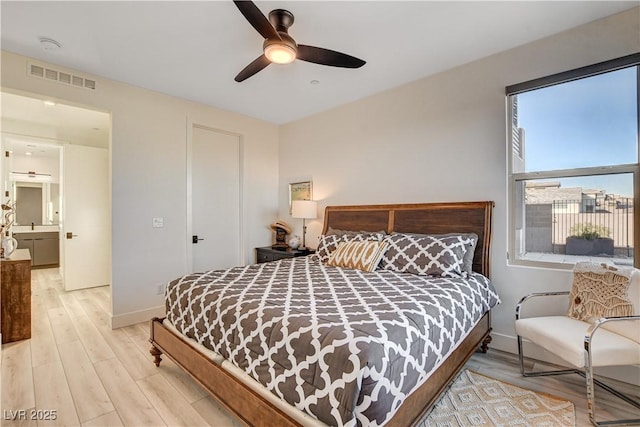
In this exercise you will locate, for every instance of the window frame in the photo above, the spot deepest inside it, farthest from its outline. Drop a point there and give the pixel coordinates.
(632, 60)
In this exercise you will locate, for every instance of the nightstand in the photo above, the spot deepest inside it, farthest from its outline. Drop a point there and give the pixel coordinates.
(267, 254)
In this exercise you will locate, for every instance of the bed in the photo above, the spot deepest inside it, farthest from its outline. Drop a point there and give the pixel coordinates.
(208, 339)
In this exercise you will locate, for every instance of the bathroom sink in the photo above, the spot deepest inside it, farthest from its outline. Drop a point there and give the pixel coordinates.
(36, 229)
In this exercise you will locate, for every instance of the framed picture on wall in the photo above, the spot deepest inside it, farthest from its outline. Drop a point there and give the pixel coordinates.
(299, 191)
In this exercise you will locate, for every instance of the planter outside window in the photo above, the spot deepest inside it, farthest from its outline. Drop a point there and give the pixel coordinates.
(580, 246)
(589, 239)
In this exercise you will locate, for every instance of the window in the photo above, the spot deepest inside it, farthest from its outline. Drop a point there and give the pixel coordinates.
(574, 169)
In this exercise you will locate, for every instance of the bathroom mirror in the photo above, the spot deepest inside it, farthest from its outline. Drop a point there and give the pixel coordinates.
(37, 203)
(31, 178)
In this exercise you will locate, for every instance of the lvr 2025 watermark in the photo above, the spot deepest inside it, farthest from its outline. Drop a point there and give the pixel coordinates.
(29, 414)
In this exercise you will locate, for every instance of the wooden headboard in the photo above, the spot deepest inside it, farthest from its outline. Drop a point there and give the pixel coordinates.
(423, 218)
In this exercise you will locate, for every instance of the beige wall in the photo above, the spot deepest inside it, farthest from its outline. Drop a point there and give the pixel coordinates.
(148, 179)
(443, 138)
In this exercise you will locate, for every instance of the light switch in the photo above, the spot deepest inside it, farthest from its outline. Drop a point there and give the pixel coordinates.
(157, 222)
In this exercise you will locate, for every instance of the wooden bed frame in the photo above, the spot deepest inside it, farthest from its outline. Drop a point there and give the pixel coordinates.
(426, 218)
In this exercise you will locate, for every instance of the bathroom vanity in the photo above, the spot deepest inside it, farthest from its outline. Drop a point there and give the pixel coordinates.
(44, 246)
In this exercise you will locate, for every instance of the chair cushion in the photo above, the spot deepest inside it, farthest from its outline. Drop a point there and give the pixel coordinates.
(564, 337)
(629, 329)
(599, 291)
(606, 291)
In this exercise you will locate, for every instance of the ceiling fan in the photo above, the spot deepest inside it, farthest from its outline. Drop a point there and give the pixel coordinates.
(279, 47)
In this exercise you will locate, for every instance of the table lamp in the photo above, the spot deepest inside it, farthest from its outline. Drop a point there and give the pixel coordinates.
(305, 209)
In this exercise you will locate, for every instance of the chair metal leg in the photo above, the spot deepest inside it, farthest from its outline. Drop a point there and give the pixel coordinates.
(540, 373)
(591, 395)
(590, 382)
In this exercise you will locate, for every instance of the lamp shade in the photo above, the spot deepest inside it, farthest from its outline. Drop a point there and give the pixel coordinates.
(307, 209)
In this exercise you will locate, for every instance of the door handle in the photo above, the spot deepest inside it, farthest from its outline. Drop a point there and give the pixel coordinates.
(195, 239)
(71, 235)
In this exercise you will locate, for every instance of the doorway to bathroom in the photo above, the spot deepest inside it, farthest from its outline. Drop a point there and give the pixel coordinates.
(55, 168)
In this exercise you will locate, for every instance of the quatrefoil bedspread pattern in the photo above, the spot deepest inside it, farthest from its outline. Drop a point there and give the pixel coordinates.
(343, 345)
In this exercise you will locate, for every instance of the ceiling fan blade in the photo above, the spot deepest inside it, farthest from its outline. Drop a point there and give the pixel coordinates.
(258, 64)
(257, 19)
(332, 58)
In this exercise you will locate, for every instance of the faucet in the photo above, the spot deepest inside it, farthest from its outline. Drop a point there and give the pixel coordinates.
(33, 226)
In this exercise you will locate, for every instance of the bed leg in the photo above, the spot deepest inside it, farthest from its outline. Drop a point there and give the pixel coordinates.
(156, 355)
(485, 343)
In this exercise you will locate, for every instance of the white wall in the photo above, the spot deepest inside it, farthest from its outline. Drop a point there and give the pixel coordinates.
(148, 179)
(443, 138)
(42, 165)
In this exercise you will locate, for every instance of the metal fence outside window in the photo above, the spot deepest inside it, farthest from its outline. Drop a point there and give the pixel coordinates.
(610, 218)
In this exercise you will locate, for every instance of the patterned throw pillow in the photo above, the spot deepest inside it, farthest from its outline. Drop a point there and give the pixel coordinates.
(472, 239)
(363, 256)
(599, 291)
(423, 254)
(329, 242)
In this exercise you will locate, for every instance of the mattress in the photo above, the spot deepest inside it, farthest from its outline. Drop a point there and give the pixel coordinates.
(344, 346)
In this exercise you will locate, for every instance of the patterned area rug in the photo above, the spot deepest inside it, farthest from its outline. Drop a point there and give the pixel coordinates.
(476, 400)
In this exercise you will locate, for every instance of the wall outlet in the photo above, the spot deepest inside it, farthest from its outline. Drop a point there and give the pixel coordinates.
(162, 287)
(157, 222)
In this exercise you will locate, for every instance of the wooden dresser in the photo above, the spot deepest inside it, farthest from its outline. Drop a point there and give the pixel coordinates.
(15, 296)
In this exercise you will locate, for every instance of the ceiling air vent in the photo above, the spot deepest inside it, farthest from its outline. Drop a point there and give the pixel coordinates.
(51, 74)
(42, 72)
(64, 78)
(36, 71)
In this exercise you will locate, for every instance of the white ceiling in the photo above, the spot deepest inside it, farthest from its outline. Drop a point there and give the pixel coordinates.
(30, 121)
(34, 147)
(193, 50)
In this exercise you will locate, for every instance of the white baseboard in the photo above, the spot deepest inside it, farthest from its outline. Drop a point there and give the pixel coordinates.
(628, 374)
(134, 317)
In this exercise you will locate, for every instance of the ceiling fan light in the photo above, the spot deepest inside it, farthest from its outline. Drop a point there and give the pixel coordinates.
(280, 53)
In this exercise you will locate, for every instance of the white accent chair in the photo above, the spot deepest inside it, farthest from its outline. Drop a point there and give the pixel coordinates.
(608, 341)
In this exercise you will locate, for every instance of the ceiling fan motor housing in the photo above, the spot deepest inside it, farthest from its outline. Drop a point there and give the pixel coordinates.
(281, 19)
(286, 40)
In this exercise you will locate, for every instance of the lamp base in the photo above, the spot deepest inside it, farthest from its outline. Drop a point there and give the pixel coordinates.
(304, 236)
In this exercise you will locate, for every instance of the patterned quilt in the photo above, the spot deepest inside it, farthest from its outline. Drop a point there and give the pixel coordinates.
(345, 346)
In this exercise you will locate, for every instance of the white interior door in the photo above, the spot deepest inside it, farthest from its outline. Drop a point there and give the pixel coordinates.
(215, 199)
(86, 226)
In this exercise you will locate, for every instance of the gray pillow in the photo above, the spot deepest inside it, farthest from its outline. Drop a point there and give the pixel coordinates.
(434, 255)
(467, 266)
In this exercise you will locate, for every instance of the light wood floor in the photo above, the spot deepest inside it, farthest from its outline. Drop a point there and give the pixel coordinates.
(90, 375)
